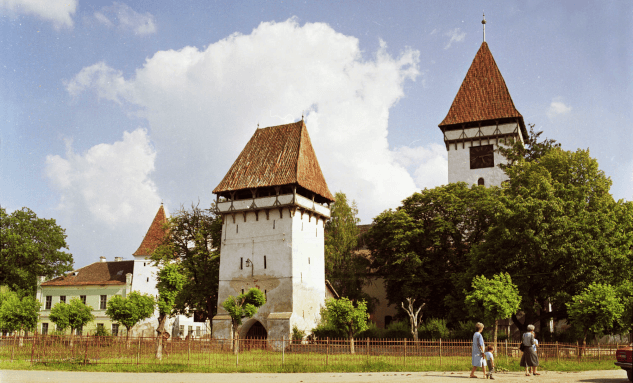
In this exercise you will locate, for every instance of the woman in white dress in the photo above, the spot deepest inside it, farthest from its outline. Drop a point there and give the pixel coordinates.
(478, 350)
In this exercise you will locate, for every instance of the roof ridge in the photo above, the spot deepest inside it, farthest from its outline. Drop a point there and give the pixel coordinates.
(155, 234)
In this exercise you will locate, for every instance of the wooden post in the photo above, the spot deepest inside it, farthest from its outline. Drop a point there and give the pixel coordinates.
(557, 354)
(86, 353)
(367, 350)
(327, 350)
(237, 353)
(598, 350)
(33, 348)
(283, 350)
(138, 351)
(188, 350)
(405, 352)
(578, 351)
(506, 352)
(440, 351)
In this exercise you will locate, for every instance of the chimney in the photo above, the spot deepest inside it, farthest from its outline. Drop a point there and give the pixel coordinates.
(102, 259)
(118, 259)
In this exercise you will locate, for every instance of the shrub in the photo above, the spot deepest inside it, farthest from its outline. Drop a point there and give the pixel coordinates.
(398, 330)
(101, 331)
(464, 330)
(372, 332)
(297, 335)
(434, 328)
(323, 331)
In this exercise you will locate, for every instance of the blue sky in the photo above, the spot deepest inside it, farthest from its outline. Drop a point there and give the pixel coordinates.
(108, 108)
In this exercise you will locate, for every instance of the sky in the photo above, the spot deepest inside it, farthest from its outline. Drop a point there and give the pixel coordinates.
(109, 108)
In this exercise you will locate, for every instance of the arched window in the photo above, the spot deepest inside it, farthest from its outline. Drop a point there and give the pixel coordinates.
(480, 181)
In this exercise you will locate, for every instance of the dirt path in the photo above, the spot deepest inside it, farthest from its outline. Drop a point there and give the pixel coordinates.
(6, 376)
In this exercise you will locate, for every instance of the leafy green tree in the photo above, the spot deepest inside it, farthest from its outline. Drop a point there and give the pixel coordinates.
(342, 314)
(421, 249)
(170, 282)
(345, 268)
(556, 230)
(495, 298)
(625, 324)
(130, 310)
(532, 149)
(597, 309)
(243, 306)
(18, 314)
(194, 242)
(30, 247)
(75, 315)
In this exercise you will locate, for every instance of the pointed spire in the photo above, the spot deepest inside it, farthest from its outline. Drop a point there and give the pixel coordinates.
(155, 234)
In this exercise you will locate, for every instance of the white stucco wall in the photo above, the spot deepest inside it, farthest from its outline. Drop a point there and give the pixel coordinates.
(144, 276)
(459, 155)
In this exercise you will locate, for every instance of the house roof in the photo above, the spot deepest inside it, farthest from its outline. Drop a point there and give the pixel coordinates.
(155, 234)
(99, 273)
(277, 156)
(483, 95)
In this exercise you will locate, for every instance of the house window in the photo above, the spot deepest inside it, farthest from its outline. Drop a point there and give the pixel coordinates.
(198, 331)
(264, 261)
(83, 299)
(273, 224)
(189, 330)
(237, 229)
(481, 182)
(147, 279)
(241, 263)
(115, 329)
(242, 291)
(102, 303)
(308, 260)
(44, 328)
(62, 298)
(181, 331)
(49, 302)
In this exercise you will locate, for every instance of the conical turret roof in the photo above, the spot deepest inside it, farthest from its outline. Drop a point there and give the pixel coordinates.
(155, 234)
(483, 95)
(277, 156)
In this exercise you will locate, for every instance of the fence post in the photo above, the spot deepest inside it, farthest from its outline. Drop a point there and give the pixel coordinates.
(405, 352)
(98, 349)
(578, 351)
(368, 350)
(598, 350)
(33, 348)
(138, 351)
(86, 351)
(440, 351)
(557, 354)
(237, 351)
(506, 352)
(327, 350)
(188, 350)
(283, 350)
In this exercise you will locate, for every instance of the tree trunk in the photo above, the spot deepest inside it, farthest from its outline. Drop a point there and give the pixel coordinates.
(159, 341)
(495, 337)
(72, 337)
(521, 326)
(236, 337)
(351, 344)
(21, 337)
(127, 338)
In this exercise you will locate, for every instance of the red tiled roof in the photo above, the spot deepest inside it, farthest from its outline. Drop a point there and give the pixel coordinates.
(155, 234)
(483, 95)
(99, 273)
(276, 156)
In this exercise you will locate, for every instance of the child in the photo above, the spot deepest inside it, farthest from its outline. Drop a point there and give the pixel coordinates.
(535, 348)
(490, 360)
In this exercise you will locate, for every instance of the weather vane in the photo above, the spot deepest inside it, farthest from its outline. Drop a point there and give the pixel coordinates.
(484, 24)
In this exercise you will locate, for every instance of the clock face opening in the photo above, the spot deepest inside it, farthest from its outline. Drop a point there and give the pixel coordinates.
(482, 157)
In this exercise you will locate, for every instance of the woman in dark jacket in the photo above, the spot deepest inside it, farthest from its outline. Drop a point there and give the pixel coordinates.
(529, 358)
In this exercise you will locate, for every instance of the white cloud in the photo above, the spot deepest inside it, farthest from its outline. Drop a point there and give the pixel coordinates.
(203, 107)
(109, 184)
(456, 36)
(429, 165)
(59, 12)
(124, 18)
(557, 108)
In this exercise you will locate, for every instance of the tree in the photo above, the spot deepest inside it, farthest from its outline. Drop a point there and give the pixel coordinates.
(30, 247)
(75, 315)
(244, 305)
(345, 268)
(341, 314)
(170, 283)
(495, 298)
(625, 324)
(194, 242)
(421, 249)
(130, 310)
(413, 316)
(556, 230)
(531, 149)
(597, 309)
(18, 314)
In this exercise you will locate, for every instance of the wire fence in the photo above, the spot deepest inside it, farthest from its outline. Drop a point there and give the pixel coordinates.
(272, 353)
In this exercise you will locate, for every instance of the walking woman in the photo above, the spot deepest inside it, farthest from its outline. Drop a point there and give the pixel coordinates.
(478, 350)
(529, 358)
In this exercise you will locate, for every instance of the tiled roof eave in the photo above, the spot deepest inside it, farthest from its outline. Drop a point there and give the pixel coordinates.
(82, 283)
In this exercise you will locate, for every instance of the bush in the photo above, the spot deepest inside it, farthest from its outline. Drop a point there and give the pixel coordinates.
(464, 330)
(297, 335)
(434, 328)
(372, 332)
(101, 331)
(323, 331)
(398, 330)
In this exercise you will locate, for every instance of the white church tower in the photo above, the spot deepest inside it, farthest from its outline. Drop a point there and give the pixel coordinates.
(274, 202)
(481, 118)
(144, 277)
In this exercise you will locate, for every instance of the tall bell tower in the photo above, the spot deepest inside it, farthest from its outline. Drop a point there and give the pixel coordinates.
(274, 202)
(481, 118)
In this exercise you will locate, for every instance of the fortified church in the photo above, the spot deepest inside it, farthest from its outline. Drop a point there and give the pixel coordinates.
(274, 201)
